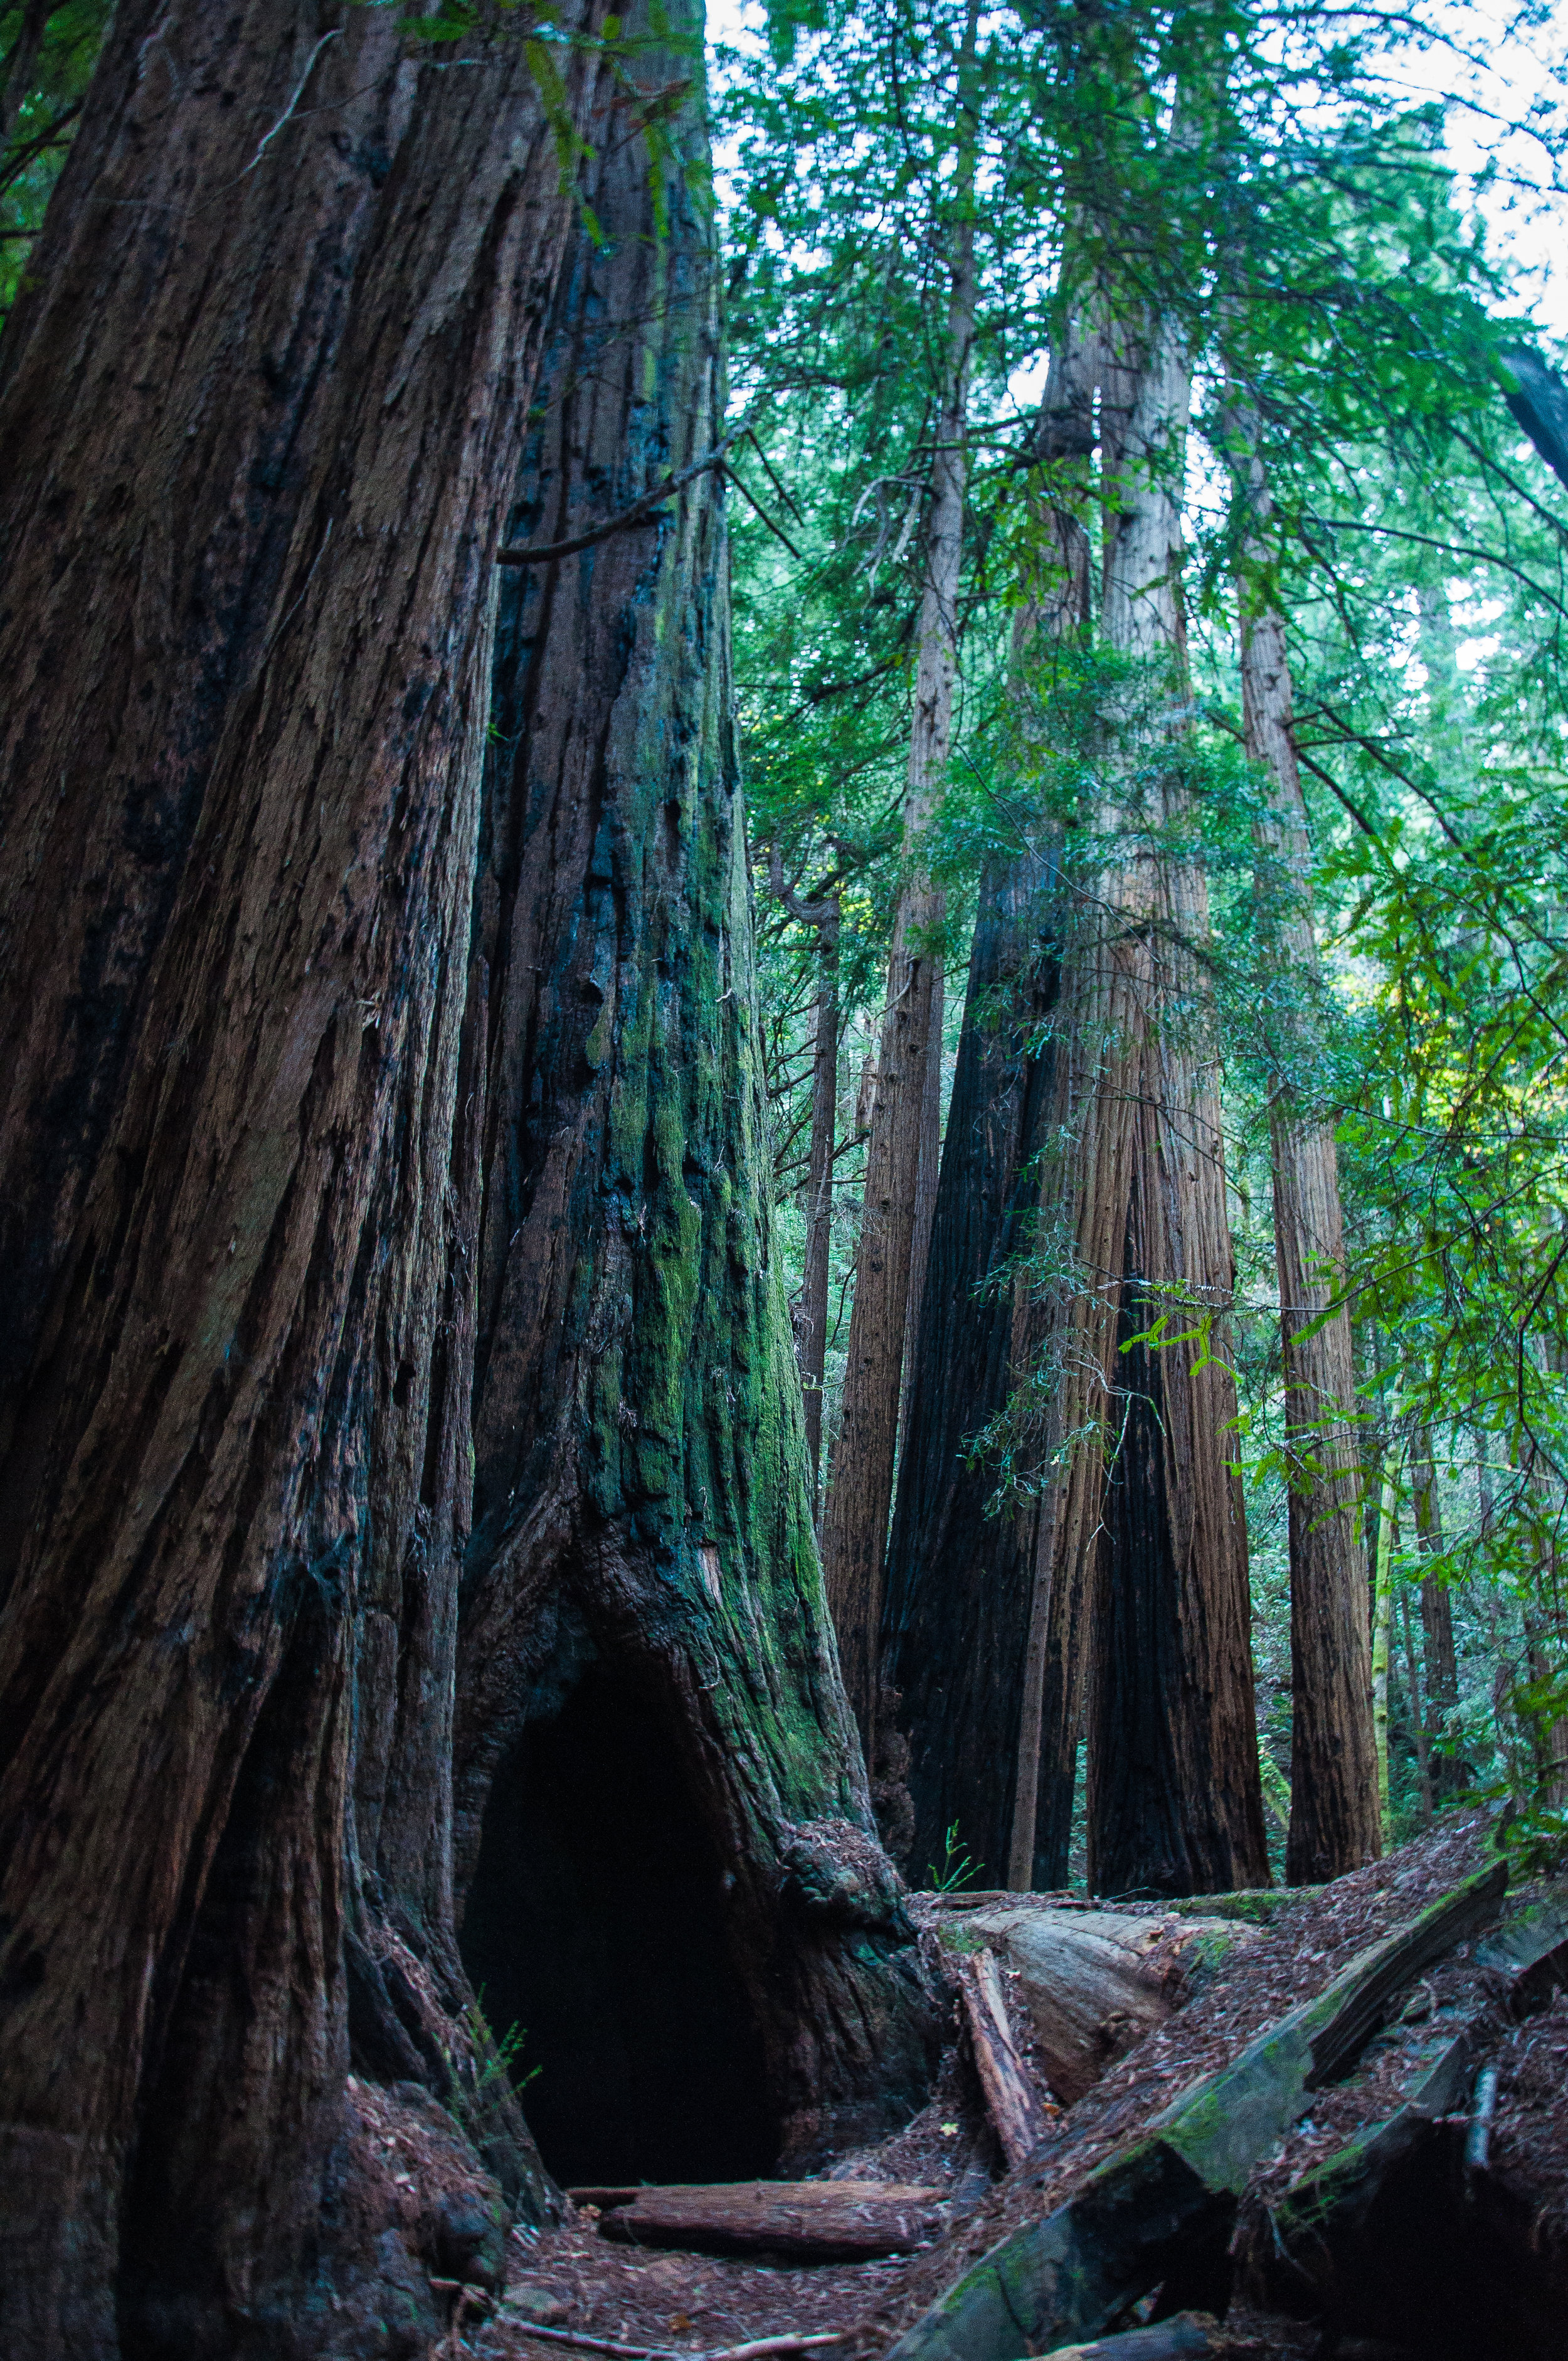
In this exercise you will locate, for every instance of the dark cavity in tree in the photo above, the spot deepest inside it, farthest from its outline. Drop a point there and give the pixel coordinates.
(595, 1922)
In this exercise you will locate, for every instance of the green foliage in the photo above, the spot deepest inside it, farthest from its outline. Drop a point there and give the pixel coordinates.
(1298, 217)
(43, 87)
(957, 1870)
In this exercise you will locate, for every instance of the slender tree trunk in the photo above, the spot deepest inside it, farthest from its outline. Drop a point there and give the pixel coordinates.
(1548, 1624)
(1417, 1708)
(855, 1522)
(819, 1201)
(1175, 1799)
(961, 1578)
(1382, 1618)
(1440, 1663)
(668, 1864)
(822, 915)
(1334, 1818)
(260, 411)
(926, 1184)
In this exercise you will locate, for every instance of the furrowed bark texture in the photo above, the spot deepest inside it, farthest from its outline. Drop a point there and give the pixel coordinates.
(259, 428)
(957, 1600)
(643, 1623)
(1174, 1801)
(1334, 1787)
(859, 1497)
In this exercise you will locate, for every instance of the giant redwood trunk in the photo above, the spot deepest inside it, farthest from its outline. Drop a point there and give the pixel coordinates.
(669, 1868)
(1153, 1572)
(260, 416)
(1175, 1800)
(962, 1632)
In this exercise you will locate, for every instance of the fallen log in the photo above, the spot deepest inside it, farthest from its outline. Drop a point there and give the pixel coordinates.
(1323, 2234)
(1155, 2203)
(818, 2221)
(1185, 2336)
(1020, 2121)
(1095, 1982)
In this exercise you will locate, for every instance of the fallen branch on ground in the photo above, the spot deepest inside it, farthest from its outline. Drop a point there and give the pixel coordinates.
(753, 2351)
(1020, 2121)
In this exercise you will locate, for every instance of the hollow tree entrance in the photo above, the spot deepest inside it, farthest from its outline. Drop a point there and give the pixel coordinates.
(595, 1922)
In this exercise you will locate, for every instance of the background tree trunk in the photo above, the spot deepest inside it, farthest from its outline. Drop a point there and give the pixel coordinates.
(1175, 1800)
(958, 1578)
(962, 1650)
(819, 1185)
(821, 914)
(1440, 1664)
(259, 426)
(665, 1847)
(1333, 1803)
(859, 1497)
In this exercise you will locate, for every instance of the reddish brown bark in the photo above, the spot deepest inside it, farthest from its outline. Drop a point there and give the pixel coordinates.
(961, 1592)
(1135, 1195)
(820, 1186)
(259, 412)
(1440, 1664)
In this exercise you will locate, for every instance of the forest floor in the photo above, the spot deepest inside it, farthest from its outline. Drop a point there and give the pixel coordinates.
(573, 2278)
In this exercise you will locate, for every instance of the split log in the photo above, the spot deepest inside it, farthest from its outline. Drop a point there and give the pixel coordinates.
(816, 2221)
(1172, 2195)
(1095, 1982)
(1020, 2121)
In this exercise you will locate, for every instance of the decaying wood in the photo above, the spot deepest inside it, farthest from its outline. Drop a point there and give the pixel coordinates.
(1322, 2235)
(816, 2219)
(1095, 1982)
(1173, 2191)
(1186, 2336)
(1020, 2121)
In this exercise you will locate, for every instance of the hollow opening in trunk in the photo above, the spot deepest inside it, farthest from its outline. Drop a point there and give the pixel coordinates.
(595, 1922)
